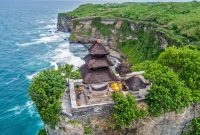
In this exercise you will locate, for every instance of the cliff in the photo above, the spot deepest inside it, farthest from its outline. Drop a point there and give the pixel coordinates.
(139, 39)
(168, 124)
(136, 32)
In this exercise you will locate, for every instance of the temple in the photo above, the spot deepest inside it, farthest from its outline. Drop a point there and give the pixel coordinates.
(92, 95)
(97, 66)
(96, 73)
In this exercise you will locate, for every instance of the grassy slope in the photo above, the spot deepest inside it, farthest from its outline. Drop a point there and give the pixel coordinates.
(182, 18)
(179, 21)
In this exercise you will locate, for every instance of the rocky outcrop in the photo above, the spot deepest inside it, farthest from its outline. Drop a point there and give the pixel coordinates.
(64, 23)
(114, 32)
(168, 124)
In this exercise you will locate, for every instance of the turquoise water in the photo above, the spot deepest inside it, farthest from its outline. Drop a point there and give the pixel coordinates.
(29, 43)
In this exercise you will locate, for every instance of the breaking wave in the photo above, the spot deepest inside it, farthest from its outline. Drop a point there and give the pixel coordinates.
(29, 107)
(30, 77)
(62, 54)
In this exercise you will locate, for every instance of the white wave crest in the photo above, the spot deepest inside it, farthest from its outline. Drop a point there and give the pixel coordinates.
(19, 109)
(12, 80)
(30, 77)
(63, 55)
(29, 106)
(50, 27)
(55, 65)
(42, 40)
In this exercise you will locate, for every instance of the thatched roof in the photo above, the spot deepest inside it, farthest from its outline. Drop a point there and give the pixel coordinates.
(123, 69)
(97, 76)
(135, 83)
(98, 49)
(97, 62)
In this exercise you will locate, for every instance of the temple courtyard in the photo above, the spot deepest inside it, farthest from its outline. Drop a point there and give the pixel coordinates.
(92, 95)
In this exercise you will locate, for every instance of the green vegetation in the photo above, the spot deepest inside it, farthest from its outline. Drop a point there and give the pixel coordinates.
(194, 127)
(42, 132)
(146, 47)
(74, 122)
(177, 23)
(88, 130)
(68, 71)
(125, 110)
(181, 18)
(72, 37)
(186, 63)
(47, 89)
(103, 28)
(167, 92)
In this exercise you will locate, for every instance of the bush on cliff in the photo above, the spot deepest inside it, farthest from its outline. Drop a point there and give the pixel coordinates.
(69, 72)
(46, 90)
(194, 127)
(125, 110)
(42, 132)
(186, 63)
(167, 92)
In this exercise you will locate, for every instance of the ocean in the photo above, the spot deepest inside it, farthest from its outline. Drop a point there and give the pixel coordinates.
(30, 43)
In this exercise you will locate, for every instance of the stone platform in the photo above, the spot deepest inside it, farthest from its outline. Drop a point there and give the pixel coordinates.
(83, 108)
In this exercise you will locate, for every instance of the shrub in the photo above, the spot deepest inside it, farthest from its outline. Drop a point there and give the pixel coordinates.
(105, 29)
(167, 92)
(88, 130)
(72, 37)
(186, 63)
(125, 110)
(69, 72)
(42, 132)
(194, 127)
(46, 90)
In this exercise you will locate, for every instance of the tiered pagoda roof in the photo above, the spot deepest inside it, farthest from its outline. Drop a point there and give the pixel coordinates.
(98, 49)
(96, 68)
(97, 62)
(97, 76)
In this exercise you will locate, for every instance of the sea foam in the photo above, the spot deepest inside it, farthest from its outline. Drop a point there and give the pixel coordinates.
(29, 107)
(30, 77)
(62, 54)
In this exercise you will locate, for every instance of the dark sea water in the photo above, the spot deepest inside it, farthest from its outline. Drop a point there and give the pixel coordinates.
(29, 43)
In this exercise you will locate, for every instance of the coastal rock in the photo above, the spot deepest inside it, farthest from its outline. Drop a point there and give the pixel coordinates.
(64, 23)
(168, 124)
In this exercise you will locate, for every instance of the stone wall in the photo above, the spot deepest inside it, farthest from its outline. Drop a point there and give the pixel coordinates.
(100, 110)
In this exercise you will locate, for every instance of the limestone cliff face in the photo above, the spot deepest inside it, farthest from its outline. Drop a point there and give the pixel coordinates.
(168, 124)
(114, 32)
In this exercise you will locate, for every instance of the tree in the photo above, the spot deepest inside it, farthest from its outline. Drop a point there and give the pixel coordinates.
(167, 92)
(125, 110)
(46, 90)
(186, 63)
